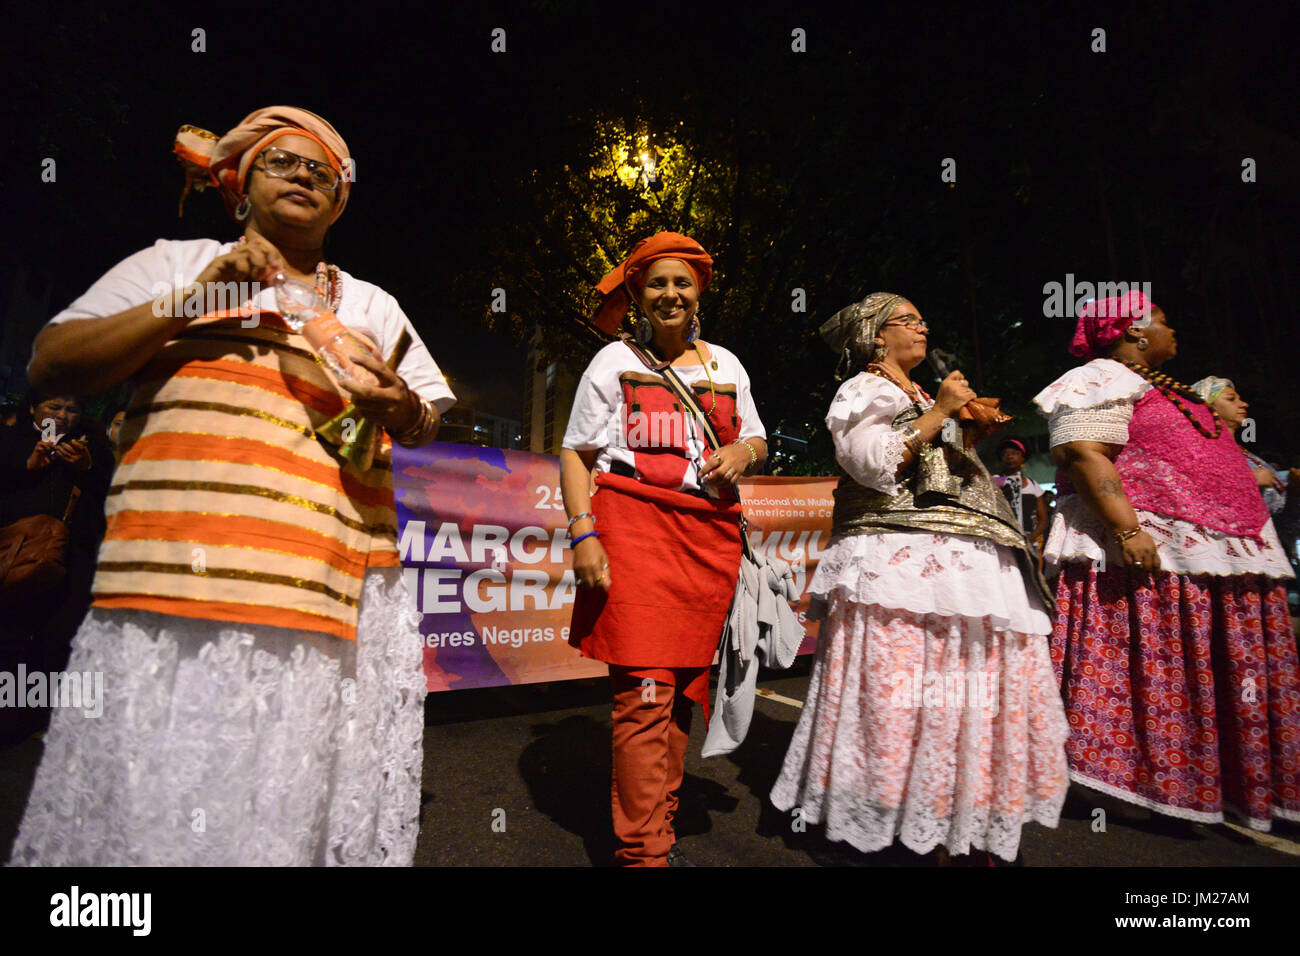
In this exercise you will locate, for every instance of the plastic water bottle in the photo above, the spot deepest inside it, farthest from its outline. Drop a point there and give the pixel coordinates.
(305, 311)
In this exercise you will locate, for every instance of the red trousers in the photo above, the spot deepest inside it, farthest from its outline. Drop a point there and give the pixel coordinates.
(652, 724)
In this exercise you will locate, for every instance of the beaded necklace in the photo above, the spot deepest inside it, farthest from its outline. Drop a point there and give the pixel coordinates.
(1171, 389)
(713, 394)
(916, 392)
(329, 284)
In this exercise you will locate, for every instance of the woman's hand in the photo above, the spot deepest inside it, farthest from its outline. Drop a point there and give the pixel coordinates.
(954, 393)
(1140, 553)
(247, 262)
(591, 564)
(76, 453)
(1265, 478)
(727, 464)
(389, 403)
(40, 456)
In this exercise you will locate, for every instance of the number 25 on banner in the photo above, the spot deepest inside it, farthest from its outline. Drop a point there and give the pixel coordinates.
(549, 498)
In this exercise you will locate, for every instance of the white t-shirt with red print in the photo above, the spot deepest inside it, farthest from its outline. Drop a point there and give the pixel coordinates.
(629, 415)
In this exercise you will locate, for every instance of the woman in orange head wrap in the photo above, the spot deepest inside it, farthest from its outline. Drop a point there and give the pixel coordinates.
(260, 655)
(656, 575)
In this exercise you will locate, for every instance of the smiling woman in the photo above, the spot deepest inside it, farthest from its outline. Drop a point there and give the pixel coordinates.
(657, 576)
(262, 662)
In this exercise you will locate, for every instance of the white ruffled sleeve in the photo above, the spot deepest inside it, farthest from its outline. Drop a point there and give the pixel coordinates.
(1093, 402)
(860, 421)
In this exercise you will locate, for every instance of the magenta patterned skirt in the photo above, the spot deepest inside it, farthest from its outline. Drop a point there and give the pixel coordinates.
(1182, 694)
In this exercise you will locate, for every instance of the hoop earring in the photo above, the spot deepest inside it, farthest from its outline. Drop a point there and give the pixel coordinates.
(1142, 344)
(243, 208)
(644, 330)
(693, 330)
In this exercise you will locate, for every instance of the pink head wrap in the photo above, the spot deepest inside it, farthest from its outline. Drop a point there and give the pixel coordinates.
(1103, 321)
(224, 162)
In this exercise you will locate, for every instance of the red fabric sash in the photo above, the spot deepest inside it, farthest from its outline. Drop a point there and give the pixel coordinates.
(673, 561)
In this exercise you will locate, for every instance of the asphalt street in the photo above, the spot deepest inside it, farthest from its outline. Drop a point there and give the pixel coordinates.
(519, 776)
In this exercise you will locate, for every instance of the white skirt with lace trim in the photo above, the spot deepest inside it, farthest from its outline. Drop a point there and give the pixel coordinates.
(228, 745)
(932, 731)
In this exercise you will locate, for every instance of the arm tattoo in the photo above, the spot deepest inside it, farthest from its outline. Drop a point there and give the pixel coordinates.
(1110, 488)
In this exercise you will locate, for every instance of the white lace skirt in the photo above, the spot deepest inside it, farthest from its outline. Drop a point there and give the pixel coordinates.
(223, 744)
(927, 729)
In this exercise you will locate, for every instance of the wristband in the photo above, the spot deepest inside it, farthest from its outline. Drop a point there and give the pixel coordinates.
(422, 432)
(583, 537)
(579, 517)
(912, 439)
(1122, 536)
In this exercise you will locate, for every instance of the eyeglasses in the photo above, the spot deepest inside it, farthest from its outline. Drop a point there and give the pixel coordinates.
(282, 163)
(911, 323)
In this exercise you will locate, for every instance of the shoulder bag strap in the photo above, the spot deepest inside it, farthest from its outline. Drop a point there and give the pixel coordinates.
(687, 398)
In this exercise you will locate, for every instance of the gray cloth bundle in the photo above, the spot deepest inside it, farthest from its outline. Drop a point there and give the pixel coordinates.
(761, 622)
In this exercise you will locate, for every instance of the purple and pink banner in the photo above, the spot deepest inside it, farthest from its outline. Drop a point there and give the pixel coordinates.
(484, 546)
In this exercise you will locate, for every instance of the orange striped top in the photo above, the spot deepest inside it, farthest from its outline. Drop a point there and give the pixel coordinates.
(225, 505)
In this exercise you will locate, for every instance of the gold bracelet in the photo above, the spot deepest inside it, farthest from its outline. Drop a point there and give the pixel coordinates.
(421, 432)
(1122, 536)
(753, 455)
(912, 439)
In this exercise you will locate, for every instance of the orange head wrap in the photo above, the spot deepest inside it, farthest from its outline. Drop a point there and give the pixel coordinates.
(224, 162)
(628, 277)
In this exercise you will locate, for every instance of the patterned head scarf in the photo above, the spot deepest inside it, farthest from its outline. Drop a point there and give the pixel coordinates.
(1103, 321)
(1210, 387)
(852, 330)
(628, 277)
(225, 161)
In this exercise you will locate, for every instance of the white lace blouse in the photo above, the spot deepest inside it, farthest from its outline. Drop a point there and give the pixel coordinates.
(1094, 402)
(919, 571)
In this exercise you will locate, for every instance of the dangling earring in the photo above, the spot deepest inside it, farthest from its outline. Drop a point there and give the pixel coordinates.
(644, 330)
(1142, 344)
(881, 352)
(243, 208)
(693, 330)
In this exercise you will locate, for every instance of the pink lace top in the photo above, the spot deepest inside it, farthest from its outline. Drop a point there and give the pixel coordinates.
(1170, 468)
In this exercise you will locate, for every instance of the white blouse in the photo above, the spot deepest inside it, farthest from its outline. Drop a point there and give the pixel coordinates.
(170, 263)
(1094, 402)
(919, 571)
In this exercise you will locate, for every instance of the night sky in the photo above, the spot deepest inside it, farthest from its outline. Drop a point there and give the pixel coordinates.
(444, 131)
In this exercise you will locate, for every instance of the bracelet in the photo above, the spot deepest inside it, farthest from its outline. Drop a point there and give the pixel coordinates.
(422, 431)
(1122, 536)
(583, 537)
(912, 440)
(576, 518)
(753, 455)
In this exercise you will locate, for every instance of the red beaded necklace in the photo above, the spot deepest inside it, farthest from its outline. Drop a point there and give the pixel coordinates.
(1171, 389)
(915, 392)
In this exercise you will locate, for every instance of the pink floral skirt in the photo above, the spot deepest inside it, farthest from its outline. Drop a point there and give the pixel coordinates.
(1183, 694)
(927, 729)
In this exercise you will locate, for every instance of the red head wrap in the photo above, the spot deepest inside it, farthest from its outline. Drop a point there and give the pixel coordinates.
(628, 277)
(1103, 321)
